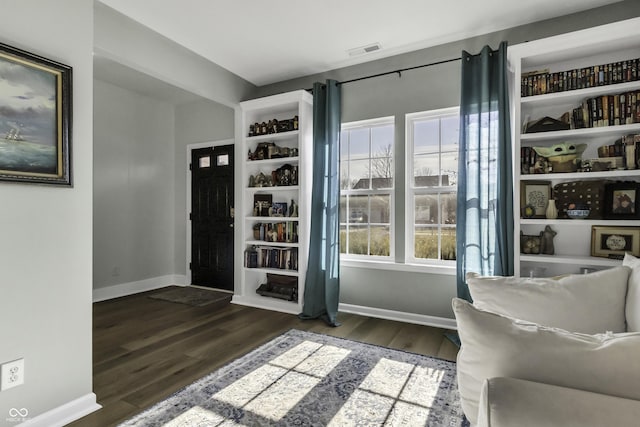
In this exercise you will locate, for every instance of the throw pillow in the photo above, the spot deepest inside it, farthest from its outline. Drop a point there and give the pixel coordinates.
(632, 309)
(587, 303)
(498, 346)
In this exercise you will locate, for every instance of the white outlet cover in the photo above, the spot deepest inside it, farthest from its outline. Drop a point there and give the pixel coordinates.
(12, 374)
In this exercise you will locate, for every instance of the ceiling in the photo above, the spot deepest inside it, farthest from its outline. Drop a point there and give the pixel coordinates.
(267, 42)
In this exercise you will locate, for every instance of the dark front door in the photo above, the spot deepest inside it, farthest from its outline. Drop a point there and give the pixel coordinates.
(212, 217)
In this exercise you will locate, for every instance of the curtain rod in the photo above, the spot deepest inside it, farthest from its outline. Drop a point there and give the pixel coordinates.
(399, 72)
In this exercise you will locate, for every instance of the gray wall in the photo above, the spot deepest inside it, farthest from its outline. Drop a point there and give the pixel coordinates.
(123, 40)
(420, 90)
(140, 171)
(120, 178)
(201, 121)
(134, 186)
(45, 256)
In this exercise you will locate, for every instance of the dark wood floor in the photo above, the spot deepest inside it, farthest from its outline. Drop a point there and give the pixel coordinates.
(145, 349)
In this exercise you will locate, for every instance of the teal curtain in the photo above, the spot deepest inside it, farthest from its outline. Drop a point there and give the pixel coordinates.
(322, 285)
(485, 198)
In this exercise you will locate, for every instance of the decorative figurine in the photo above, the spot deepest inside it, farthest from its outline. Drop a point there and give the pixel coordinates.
(293, 209)
(547, 241)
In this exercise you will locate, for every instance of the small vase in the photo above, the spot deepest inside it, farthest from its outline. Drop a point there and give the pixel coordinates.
(552, 211)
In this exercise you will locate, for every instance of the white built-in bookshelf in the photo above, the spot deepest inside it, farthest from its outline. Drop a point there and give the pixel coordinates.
(581, 73)
(276, 147)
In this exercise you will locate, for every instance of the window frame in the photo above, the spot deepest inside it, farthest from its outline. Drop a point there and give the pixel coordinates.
(411, 191)
(361, 124)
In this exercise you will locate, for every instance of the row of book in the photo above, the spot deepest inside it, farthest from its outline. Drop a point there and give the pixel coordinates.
(270, 257)
(607, 110)
(276, 232)
(542, 82)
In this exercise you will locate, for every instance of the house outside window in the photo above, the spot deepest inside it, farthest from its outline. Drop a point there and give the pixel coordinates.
(431, 197)
(366, 189)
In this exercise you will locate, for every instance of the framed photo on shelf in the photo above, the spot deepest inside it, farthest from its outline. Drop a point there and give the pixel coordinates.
(622, 200)
(534, 198)
(613, 242)
(35, 118)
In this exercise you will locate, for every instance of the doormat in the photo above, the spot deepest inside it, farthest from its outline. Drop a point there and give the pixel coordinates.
(307, 379)
(190, 295)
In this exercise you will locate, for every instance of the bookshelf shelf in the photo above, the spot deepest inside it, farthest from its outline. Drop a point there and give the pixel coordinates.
(577, 176)
(577, 95)
(580, 134)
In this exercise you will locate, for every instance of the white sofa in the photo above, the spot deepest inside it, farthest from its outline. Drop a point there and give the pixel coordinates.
(561, 351)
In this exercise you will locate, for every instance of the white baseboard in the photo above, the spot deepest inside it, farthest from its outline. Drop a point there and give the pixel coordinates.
(400, 316)
(65, 414)
(124, 289)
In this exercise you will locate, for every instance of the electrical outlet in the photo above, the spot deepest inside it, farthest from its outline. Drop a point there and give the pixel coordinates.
(12, 374)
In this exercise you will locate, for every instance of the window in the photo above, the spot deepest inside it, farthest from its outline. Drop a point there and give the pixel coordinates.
(432, 168)
(366, 188)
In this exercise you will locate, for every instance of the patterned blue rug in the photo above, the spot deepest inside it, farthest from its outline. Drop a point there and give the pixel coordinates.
(307, 379)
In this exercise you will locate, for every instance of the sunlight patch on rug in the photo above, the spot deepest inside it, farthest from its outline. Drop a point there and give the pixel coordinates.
(282, 396)
(250, 386)
(302, 378)
(423, 386)
(387, 377)
(196, 416)
(273, 389)
(394, 393)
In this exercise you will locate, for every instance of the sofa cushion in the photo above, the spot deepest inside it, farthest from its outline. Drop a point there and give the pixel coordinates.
(508, 402)
(499, 346)
(632, 308)
(587, 303)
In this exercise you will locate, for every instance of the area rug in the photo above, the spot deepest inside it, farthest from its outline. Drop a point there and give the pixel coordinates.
(307, 379)
(190, 295)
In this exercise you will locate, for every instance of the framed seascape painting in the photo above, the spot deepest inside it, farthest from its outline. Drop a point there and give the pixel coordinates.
(35, 118)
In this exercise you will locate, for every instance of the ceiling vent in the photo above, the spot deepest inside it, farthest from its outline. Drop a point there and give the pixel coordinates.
(364, 49)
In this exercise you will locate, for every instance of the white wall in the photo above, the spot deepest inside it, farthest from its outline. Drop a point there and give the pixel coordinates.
(134, 186)
(45, 255)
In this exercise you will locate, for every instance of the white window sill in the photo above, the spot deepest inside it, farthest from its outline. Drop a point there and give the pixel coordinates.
(394, 266)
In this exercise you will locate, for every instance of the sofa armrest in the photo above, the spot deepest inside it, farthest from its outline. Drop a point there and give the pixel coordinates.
(507, 402)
